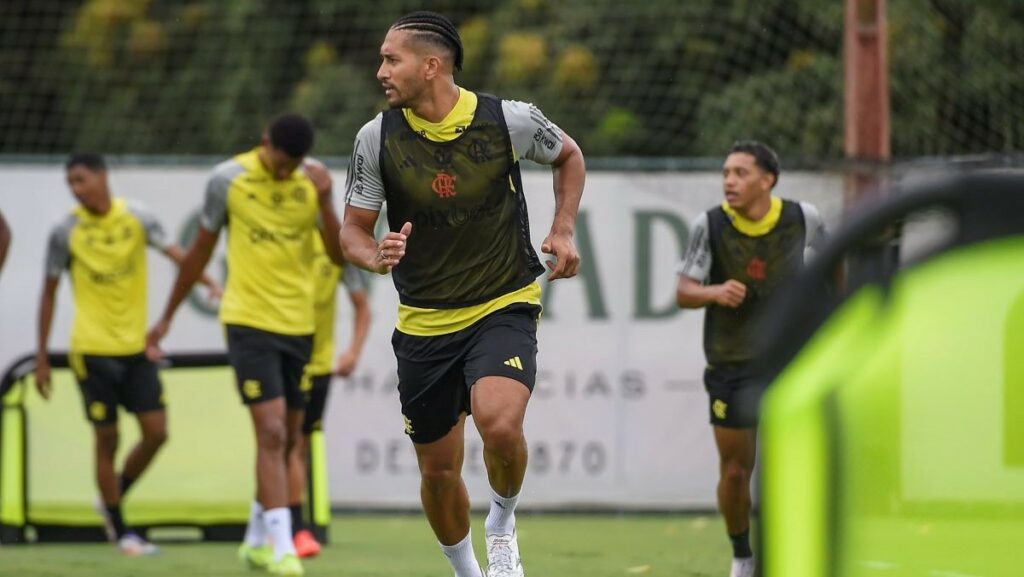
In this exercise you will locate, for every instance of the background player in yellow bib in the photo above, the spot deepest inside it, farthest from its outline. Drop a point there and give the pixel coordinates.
(446, 161)
(321, 369)
(271, 201)
(737, 255)
(102, 245)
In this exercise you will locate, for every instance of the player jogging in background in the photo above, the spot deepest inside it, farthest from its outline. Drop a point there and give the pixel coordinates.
(446, 161)
(738, 253)
(322, 367)
(102, 245)
(271, 201)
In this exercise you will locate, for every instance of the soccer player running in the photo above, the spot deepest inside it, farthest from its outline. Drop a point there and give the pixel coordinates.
(322, 367)
(737, 254)
(271, 200)
(446, 161)
(102, 245)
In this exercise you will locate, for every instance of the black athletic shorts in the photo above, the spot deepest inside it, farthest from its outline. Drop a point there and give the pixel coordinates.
(268, 365)
(108, 381)
(315, 389)
(734, 394)
(436, 373)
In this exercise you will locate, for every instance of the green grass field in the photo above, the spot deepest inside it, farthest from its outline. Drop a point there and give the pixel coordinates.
(402, 545)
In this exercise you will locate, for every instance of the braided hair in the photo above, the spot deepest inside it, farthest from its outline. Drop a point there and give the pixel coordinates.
(435, 29)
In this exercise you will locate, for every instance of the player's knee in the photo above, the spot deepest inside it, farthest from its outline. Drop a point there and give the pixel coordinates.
(272, 438)
(502, 438)
(291, 444)
(107, 448)
(297, 458)
(439, 477)
(107, 442)
(735, 473)
(296, 449)
(155, 439)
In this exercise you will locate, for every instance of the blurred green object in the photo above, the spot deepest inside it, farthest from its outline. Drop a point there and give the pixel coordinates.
(893, 443)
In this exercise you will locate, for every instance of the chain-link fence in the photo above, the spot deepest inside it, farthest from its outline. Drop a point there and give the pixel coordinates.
(644, 78)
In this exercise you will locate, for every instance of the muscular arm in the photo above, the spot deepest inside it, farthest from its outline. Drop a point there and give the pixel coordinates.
(361, 322)
(356, 238)
(330, 232)
(5, 240)
(47, 302)
(330, 226)
(348, 360)
(362, 249)
(190, 268)
(569, 173)
(177, 255)
(691, 294)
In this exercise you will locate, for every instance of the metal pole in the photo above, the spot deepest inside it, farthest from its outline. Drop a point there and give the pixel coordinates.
(866, 88)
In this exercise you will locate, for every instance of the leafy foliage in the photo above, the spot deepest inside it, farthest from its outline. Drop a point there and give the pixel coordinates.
(628, 78)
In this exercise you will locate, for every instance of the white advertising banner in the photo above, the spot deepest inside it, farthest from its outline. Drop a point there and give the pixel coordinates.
(619, 417)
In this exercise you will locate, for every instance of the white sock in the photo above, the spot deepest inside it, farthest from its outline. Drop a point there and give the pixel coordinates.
(461, 556)
(255, 531)
(501, 519)
(279, 527)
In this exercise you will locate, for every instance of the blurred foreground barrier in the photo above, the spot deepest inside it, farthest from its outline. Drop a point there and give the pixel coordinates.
(893, 435)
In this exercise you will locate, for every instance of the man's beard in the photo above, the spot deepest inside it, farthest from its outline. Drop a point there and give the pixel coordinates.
(405, 100)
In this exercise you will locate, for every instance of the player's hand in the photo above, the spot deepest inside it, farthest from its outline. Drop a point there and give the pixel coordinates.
(320, 177)
(156, 334)
(214, 292)
(346, 363)
(567, 258)
(43, 375)
(731, 293)
(391, 249)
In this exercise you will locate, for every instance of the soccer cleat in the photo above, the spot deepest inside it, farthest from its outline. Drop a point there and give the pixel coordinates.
(288, 566)
(743, 567)
(255, 557)
(306, 544)
(108, 526)
(131, 545)
(503, 556)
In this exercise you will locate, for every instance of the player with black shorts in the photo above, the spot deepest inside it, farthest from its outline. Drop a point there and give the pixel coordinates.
(446, 161)
(271, 200)
(737, 254)
(102, 244)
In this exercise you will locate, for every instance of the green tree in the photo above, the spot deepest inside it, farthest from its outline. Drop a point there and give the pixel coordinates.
(636, 78)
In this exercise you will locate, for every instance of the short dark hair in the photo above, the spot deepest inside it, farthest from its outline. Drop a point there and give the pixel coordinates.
(434, 28)
(763, 155)
(292, 134)
(92, 160)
